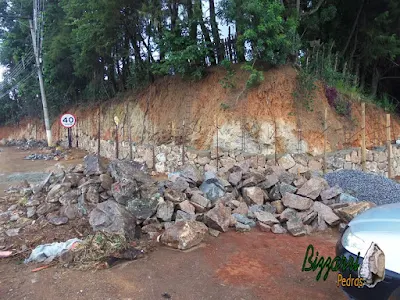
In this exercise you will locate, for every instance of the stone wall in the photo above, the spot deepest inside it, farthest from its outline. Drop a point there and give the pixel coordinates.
(168, 158)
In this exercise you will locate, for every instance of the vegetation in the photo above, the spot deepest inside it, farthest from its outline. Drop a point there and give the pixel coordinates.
(97, 49)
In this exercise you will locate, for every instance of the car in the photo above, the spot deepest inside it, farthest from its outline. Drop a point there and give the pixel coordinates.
(381, 225)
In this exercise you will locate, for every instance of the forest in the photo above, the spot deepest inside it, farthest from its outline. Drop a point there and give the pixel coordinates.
(98, 49)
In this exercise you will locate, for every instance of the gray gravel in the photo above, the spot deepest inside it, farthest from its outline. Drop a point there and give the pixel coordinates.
(30, 177)
(366, 186)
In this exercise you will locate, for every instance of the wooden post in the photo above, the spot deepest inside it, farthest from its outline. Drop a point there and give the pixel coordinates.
(183, 143)
(116, 141)
(325, 136)
(363, 146)
(276, 142)
(216, 124)
(389, 145)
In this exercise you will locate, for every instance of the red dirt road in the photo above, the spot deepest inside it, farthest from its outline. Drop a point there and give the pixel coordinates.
(248, 266)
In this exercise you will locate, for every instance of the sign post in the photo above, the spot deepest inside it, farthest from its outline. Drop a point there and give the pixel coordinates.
(68, 121)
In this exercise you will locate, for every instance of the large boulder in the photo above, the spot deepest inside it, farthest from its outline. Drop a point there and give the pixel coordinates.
(142, 208)
(348, 213)
(122, 169)
(313, 187)
(93, 165)
(124, 190)
(330, 193)
(192, 174)
(286, 162)
(111, 217)
(212, 188)
(184, 234)
(165, 211)
(218, 218)
(296, 202)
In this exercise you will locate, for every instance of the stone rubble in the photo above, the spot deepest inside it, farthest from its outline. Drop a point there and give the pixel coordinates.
(124, 199)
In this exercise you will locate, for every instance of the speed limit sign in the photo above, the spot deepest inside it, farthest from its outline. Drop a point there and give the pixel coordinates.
(68, 120)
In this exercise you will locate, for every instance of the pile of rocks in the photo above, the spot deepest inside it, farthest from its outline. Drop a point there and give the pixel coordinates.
(54, 155)
(25, 144)
(125, 199)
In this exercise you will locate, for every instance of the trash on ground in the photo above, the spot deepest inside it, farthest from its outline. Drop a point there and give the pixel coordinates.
(373, 266)
(5, 254)
(48, 252)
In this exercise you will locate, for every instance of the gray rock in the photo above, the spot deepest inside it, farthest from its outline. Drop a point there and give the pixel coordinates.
(70, 197)
(309, 218)
(184, 235)
(270, 180)
(346, 198)
(342, 227)
(56, 220)
(93, 165)
(92, 194)
(106, 181)
(212, 189)
(331, 193)
(313, 188)
(142, 208)
(184, 216)
(57, 191)
(296, 227)
(286, 188)
(266, 218)
(348, 213)
(287, 177)
(13, 207)
(200, 200)
(327, 214)
(73, 178)
(253, 195)
(192, 174)
(319, 224)
(296, 202)
(242, 209)
(265, 207)
(274, 193)
(165, 211)
(187, 207)
(31, 211)
(242, 227)
(286, 161)
(252, 179)
(70, 211)
(124, 190)
(235, 177)
(13, 232)
(213, 232)
(180, 184)
(264, 227)
(288, 214)
(174, 196)
(218, 218)
(299, 181)
(111, 217)
(278, 229)
(244, 220)
(46, 208)
(122, 169)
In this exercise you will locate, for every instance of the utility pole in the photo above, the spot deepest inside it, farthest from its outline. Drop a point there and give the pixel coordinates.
(41, 83)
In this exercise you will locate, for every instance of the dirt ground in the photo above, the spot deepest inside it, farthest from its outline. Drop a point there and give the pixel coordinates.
(242, 266)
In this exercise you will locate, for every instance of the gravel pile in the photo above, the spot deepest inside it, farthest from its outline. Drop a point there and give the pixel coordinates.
(365, 186)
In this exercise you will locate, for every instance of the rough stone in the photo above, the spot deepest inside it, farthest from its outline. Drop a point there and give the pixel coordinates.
(200, 200)
(73, 178)
(111, 217)
(92, 194)
(253, 195)
(235, 177)
(265, 207)
(13, 232)
(45, 208)
(264, 227)
(274, 193)
(346, 198)
(252, 179)
(266, 218)
(187, 207)
(124, 190)
(286, 188)
(299, 181)
(192, 174)
(70, 211)
(174, 195)
(180, 184)
(330, 193)
(93, 165)
(122, 170)
(106, 181)
(309, 218)
(184, 216)
(296, 202)
(244, 220)
(57, 220)
(278, 229)
(70, 197)
(31, 211)
(213, 232)
(327, 214)
(279, 207)
(242, 209)
(288, 214)
(350, 212)
(218, 218)
(242, 227)
(313, 187)
(286, 162)
(165, 210)
(286, 177)
(57, 191)
(184, 235)
(142, 208)
(296, 227)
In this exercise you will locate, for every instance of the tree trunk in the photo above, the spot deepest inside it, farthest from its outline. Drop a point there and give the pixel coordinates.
(215, 32)
(240, 46)
(192, 21)
(353, 28)
(173, 8)
(206, 34)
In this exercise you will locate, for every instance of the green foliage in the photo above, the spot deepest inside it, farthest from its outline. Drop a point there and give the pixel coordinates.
(225, 106)
(255, 78)
(387, 104)
(305, 89)
(228, 82)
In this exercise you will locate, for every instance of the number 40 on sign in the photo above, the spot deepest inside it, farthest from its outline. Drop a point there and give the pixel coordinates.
(68, 120)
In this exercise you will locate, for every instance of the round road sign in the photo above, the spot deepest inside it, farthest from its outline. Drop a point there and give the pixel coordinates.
(68, 120)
